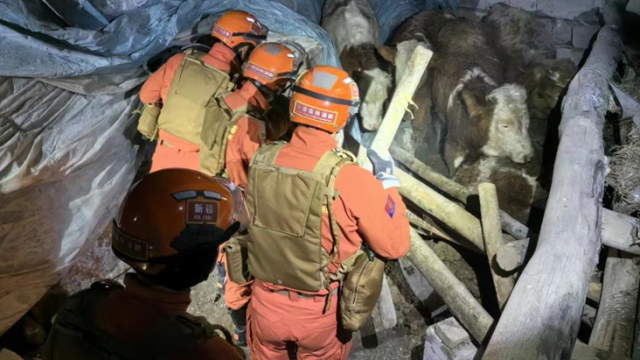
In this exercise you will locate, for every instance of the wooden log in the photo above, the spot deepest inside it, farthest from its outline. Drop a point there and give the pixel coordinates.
(399, 102)
(509, 224)
(430, 229)
(381, 142)
(613, 330)
(620, 232)
(512, 255)
(441, 208)
(493, 239)
(585, 352)
(462, 304)
(542, 317)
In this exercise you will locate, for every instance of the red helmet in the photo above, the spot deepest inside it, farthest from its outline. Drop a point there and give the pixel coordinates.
(237, 27)
(324, 97)
(272, 64)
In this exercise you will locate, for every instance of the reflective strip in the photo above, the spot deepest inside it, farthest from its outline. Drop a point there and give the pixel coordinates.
(212, 195)
(183, 195)
(255, 69)
(273, 49)
(324, 80)
(222, 32)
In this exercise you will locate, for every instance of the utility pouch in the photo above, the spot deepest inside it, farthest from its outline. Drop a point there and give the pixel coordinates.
(360, 291)
(237, 254)
(148, 123)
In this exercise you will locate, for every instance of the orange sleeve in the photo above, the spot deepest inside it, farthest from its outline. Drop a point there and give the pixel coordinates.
(240, 150)
(151, 91)
(215, 348)
(380, 214)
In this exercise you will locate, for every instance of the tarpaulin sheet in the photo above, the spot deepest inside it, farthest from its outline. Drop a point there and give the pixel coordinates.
(67, 95)
(41, 47)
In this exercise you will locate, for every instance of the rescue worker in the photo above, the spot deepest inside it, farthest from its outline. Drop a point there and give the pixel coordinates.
(176, 95)
(168, 230)
(271, 67)
(312, 210)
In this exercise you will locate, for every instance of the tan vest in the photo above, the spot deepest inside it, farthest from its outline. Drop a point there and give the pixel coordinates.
(285, 246)
(219, 125)
(193, 88)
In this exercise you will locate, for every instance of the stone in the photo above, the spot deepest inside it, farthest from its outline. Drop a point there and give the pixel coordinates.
(447, 340)
(582, 35)
(473, 4)
(472, 14)
(451, 332)
(586, 10)
(573, 54)
(528, 5)
(561, 30)
(634, 7)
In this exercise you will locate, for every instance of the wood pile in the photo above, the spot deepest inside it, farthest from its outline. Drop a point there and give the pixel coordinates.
(541, 290)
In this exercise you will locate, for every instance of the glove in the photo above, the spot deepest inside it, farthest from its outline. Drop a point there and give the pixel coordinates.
(383, 169)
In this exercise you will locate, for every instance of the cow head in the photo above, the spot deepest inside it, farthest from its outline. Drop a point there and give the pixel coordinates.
(509, 128)
(372, 73)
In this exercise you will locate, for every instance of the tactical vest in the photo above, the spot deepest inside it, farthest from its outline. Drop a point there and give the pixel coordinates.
(192, 89)
(219, 126)
(287, 205)
(74, 336)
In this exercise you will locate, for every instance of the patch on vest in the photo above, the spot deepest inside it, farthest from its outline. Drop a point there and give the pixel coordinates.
(256, 70)
(222, 32)
(202, 212)
(310, 112)
(390, 207)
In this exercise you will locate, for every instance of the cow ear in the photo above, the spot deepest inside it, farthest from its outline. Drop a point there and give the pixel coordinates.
(388, 53)
(473, 102)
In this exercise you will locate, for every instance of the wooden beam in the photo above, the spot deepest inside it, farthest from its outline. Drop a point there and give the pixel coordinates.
(613, 330)
(493, 239)
(620, 232)
(399, 102)
(585, 352)
(415, 220)
(509, 224)
(383, 138)
(542, 317)
(441, 208)
(461, 302)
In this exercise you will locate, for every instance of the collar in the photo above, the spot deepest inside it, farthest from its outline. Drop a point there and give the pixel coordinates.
(312, 140)
(225, 54)
(171, 301)
(248, 93)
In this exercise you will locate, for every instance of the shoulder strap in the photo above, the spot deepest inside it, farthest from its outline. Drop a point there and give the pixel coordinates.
(329, 166)
(267, 154)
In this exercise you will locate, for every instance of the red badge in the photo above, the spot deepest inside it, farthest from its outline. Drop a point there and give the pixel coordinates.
(390, 206)
(313, 113)
(355, 92)
(202, 212)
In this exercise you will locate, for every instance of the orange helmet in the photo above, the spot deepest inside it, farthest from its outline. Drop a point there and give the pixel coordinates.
(171, 224)
(324, 97)
(237, 27)
(272, 64)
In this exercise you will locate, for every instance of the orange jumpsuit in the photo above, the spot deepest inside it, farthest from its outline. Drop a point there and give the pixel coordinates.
(363, 211)
(246, 139)
(130, 314)
(172, 151)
